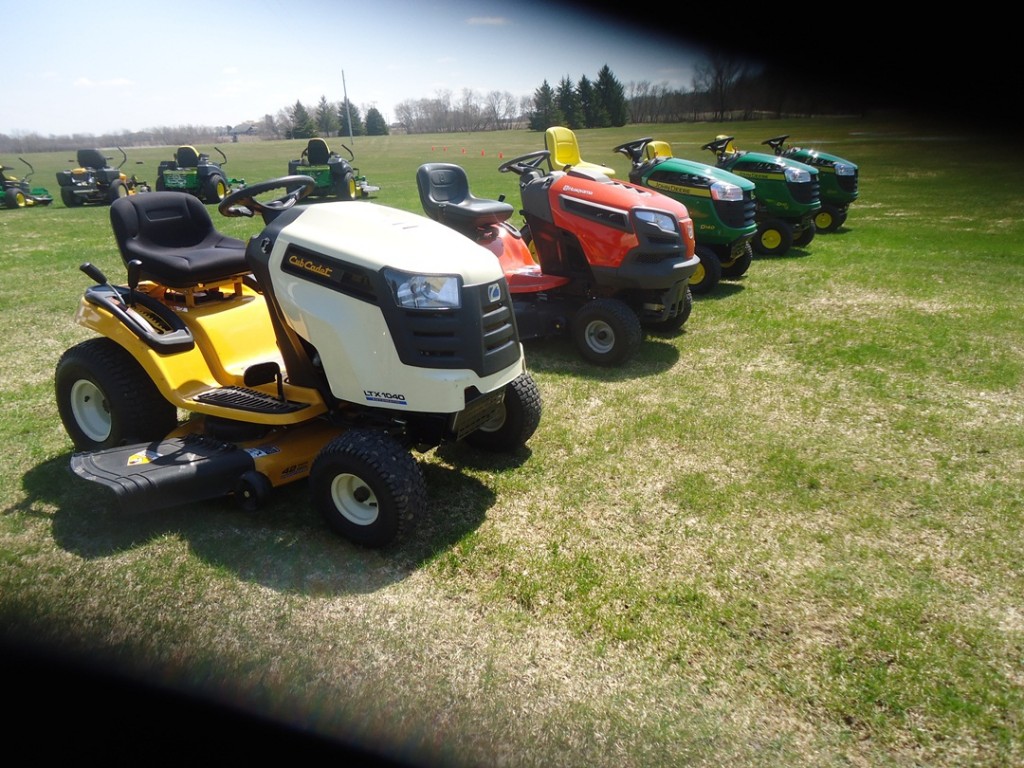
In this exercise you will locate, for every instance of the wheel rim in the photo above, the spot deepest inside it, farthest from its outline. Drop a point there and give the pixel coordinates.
(354, 499)
(771, 239)
(222, 190)
(600, 337)
(698, 274)
(352, 188)
(823, 220)
(20, 200)
(496, 421)
(91, 410)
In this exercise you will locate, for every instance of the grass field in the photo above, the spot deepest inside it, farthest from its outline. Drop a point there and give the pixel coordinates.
(791, 535)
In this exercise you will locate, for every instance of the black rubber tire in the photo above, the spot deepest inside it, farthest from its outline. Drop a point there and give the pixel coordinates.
(828, 219)
(606, 332)
(117, 190)
(739, 266)
(708, 272)
(215, 189)
(366, 485)
(105, 398)
(14, 198)
(69, 198)
(161, 185)
(515, 424)
(774, 237)
(672, 326)
(344, 188)
(806, 236)
(252, 491)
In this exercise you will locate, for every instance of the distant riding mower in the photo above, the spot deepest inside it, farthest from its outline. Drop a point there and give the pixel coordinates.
(339, 339)
(95, 182)
(597, 258)
(19, 193)
(332, 174)
(191, 171)
(838, 179)
(720, 203)
(786, 194)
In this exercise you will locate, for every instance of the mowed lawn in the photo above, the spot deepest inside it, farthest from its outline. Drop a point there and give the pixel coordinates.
(790, 535)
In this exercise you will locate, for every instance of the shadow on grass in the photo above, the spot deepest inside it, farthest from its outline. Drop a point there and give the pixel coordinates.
(559, 355)
(285, 545)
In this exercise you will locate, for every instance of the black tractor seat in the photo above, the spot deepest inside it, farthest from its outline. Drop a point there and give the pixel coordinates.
(172, 235)
(445, 196)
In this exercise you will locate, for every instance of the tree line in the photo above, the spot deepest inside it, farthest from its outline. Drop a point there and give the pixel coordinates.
(724, 87)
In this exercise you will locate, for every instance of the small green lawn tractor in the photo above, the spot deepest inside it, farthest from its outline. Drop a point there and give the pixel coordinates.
(19, 193)
(191, 171)
(838, 178)
(786, 194)
(332, 174)
(720, 203)
(95, 181)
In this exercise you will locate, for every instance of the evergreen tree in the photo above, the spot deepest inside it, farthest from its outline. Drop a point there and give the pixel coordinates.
(303, 126)
(568, 101)
(545, 111)
(345, 109)
(326, 119)
(612, 97)
(375, 124)
(594, 115)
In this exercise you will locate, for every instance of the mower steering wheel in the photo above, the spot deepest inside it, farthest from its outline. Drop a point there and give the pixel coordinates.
(243, 202)
(524, 163)
(634, 149)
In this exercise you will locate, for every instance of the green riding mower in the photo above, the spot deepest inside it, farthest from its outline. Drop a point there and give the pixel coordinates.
(331, 173)
(786, 194)
(838, 179)
(19, 193)
(191, 171)
(95, 182)
(720, 203)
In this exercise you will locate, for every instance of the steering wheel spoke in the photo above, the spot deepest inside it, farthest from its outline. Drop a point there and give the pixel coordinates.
(245, 202)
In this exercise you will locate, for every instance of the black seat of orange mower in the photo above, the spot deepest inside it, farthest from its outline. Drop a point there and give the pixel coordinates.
(445, 196)
(174, 238)
(186, 157)
(317, 152)
(90, 158)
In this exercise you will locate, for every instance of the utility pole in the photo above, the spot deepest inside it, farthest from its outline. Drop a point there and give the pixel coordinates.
(348, 109)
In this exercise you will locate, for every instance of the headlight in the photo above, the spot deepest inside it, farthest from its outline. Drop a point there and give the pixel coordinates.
(846, 169)
(797, 175)
(723, 190)
(414, 291)
(662, 221)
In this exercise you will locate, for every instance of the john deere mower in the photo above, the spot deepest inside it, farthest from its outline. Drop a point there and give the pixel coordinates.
(332, 174)
(95, 181)
(720, 203)
(19, 193)
(334, 343)
(191, 171)
(786, 194)
(597, 259)
(837, 177)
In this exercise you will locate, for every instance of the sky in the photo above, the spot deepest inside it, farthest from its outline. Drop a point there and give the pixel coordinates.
(105, 67)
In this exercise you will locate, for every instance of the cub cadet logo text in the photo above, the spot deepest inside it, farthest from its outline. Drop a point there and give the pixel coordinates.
(310, 266)
(384, 397)
(579, 191)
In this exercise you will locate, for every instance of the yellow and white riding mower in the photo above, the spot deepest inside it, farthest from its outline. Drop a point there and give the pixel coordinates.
(339, 339)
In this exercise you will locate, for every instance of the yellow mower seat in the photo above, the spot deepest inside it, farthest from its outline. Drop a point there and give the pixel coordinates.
(657, 149)
(565, 151)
